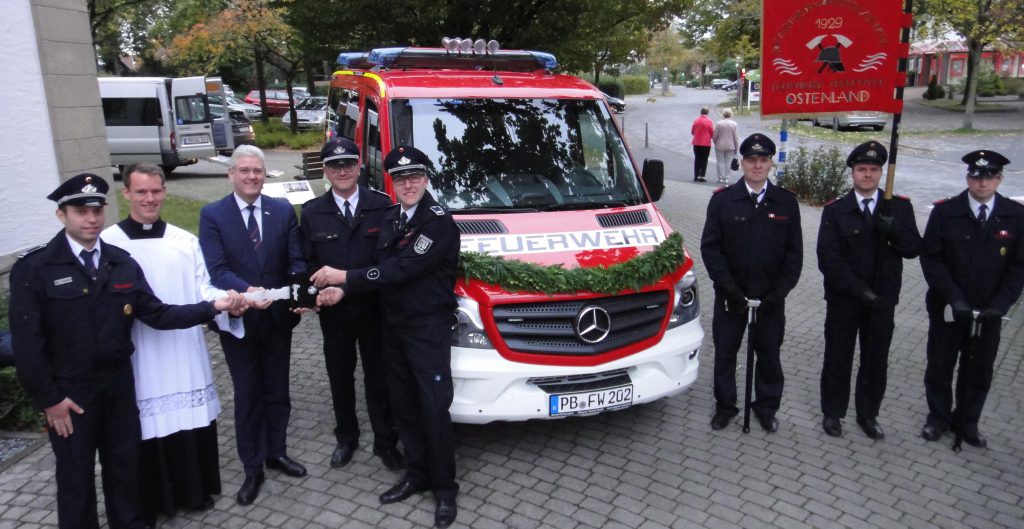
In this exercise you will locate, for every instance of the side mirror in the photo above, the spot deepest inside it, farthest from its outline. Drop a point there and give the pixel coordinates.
(653, 177)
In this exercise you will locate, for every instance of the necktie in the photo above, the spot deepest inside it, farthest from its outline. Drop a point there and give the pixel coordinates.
(983, 213)
(348, 212)
(253, 227)
(403, 221)
(753, 196)
(867, 207)
(90, 265)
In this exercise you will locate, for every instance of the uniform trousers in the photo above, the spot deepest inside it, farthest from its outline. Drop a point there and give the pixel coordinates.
(110, 425)
(844, 323)
(418, 360)
(700, 160)
(259, 365)
(727, 329)
(343, 325)
(948, 342)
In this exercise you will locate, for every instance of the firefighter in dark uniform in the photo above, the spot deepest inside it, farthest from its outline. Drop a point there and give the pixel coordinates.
(973, 260)
(752, 247)
(418, 253)
(339, 230)
(861, 247)
(73, 303)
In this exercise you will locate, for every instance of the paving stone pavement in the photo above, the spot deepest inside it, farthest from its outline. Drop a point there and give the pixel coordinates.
(651, 466)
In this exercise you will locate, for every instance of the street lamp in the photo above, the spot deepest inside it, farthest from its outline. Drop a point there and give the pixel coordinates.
(664, 82)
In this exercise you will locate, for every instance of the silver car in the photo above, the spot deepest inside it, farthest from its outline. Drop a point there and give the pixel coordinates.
(251, 111)
(310, 112)
(854, 120)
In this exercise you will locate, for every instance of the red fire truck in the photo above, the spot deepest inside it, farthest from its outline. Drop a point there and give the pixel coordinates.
(533, 168)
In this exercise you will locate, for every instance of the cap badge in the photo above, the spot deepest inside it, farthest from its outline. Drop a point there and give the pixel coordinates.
(339, 150)
(757, 147)
(89, 188)
(871, 154)
(404, 161)
(981, 162)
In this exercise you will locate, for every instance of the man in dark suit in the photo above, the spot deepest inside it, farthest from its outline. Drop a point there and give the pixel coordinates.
(752, 247)
(339, 231)
(861, 247)
(417, 256)
(973, 261)
(73, 303)
(250, 242)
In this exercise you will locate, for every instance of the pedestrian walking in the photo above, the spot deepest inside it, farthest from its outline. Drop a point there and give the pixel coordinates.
(973, 261)
(752, 248)
(727, 141)
(702, 130)
(862, 243)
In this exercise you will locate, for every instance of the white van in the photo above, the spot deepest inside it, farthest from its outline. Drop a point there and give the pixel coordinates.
(162, 120)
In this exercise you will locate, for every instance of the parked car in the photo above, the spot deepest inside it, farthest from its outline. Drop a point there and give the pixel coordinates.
(730, 86)
(277, 101)
(717, 84)
(251, 111)
(617, 105)
(854, 120)
(241, 130)
(310, 113)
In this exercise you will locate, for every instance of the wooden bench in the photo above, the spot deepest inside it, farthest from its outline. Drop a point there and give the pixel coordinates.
(312, 167)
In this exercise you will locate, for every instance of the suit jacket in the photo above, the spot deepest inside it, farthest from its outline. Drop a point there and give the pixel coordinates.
(964, 260)
(234, 263)
(848, 244)
(760, 249)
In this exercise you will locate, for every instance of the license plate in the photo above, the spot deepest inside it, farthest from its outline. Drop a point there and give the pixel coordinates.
(585, 402)
(196, 139)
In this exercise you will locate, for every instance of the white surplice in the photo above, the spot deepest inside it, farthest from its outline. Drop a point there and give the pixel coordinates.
(173, 378)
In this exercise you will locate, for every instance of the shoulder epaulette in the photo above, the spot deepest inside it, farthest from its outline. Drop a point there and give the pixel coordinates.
(941, 200)
(831, 201)
(381, 193)
(438, 210)
(720, 189)
(31, 250)
(902, 197)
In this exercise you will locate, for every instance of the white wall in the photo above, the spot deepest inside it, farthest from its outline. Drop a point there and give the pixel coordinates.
(28, 160)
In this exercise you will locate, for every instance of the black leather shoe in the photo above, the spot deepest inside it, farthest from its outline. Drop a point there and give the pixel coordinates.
(871, 428)
(832, 426)
(722, 419)
(932, 432)
(206, 505)
(250, 488)
(286, 465)
(445, 513)
(399, 492)
(769, 423)
(390, 456)
(342, 455)
(973, 438)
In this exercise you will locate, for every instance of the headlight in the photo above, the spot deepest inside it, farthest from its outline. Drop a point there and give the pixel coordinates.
(468, 329)
(687, 302)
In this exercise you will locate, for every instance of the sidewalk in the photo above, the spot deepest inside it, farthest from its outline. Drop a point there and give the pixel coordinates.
(651, 466)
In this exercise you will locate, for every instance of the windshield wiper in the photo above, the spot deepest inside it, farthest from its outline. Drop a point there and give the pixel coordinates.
(585, 205)
(474, 211)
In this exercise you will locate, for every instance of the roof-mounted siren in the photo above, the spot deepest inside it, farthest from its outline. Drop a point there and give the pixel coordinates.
(354, 60)
(456, 45)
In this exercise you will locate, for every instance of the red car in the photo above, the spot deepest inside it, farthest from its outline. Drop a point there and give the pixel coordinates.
(277, 101)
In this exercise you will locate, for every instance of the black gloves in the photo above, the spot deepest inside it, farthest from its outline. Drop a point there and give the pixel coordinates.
(991, 313)
(961, 311)
(886, 224)
(735, 300)
(771, 302)
(869, 298)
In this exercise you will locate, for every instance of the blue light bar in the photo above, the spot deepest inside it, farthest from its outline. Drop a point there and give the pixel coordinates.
(438, 58)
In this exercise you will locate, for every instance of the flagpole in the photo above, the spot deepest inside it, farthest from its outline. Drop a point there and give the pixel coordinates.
(894, 139)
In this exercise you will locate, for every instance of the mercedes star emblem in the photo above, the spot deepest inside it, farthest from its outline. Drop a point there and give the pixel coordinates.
(593, 324)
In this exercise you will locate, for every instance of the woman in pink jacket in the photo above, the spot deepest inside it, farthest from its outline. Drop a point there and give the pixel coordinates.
(727, 140)
(702, 130)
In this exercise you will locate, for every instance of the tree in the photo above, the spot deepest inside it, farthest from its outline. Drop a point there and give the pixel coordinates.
(723, 28)
(980, 23)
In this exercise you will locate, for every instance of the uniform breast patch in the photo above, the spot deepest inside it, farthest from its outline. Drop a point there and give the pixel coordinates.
(422, 244)
(61, 281)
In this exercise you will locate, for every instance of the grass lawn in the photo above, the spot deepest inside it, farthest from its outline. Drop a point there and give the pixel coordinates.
(182, 212)
(953, 105)
(274, 134)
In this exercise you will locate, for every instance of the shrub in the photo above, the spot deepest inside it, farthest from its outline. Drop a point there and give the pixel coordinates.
(817, 176)
(613, 88)
(935, 90)
(17, 412)
(635, 84)
(274, 134)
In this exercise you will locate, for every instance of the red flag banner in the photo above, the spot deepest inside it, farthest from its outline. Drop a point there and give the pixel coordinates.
(823, 56)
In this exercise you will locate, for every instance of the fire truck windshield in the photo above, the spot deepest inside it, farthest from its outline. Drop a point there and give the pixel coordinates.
(510, 154)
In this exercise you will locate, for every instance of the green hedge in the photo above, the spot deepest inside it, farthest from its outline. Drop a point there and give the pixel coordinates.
(274, 134)
(817, 176)
(635, 84)
(17, 413)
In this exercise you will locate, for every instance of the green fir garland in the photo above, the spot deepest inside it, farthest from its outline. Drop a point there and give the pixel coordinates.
(519, 276)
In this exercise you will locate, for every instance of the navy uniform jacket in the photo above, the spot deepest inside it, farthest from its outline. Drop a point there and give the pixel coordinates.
(760, 249)
(847, 251)
(982, 265)
(417, 266)
(327, 240)
(65, 326)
